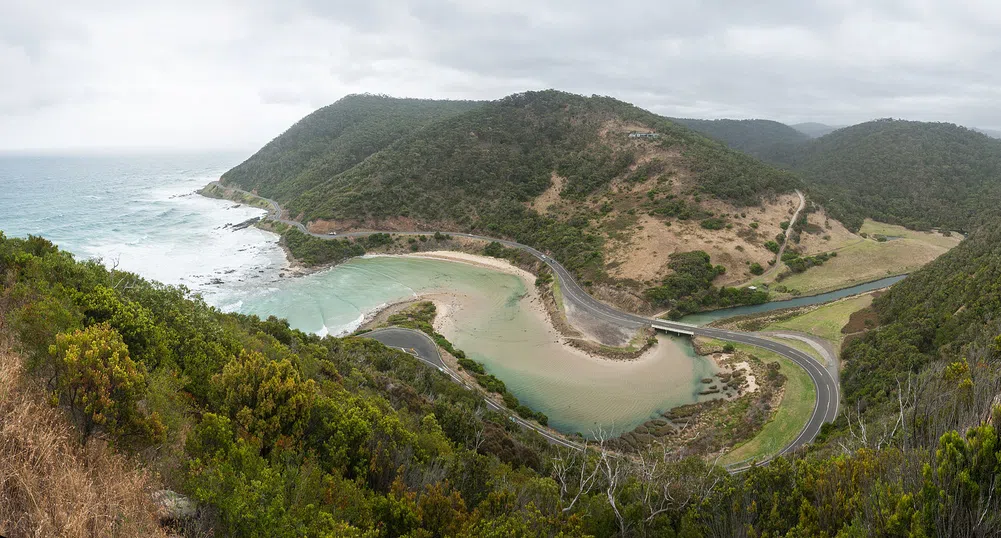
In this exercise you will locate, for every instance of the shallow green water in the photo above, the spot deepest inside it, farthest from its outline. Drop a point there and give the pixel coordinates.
(493, 326)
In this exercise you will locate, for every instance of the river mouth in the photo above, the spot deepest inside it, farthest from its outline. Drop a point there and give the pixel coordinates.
(491, 316)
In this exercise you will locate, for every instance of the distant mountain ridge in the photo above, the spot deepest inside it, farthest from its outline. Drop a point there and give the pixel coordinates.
(917, 174)
(814, 129)
(993, 133)
(913, 173)
(768, 140)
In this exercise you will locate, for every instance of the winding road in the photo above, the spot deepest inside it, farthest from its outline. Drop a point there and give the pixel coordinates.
(827, 389)
(785, 241)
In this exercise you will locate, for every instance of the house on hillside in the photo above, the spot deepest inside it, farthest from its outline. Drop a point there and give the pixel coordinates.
(637, 134)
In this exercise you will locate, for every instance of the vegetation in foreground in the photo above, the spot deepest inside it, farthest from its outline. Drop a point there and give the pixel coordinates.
(53, 485)
(278, 433)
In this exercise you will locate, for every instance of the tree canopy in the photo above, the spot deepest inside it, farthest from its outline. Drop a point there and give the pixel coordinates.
(917, 174)
(767, 140)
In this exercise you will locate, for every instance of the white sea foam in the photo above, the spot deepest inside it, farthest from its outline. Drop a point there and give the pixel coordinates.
(142, 215)
(350, 327)
(232, 307)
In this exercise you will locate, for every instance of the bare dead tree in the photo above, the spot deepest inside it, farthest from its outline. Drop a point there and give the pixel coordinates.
(669, 484)
(120, 280)
(614, 470)
(576, 472)
(475, 441)
(861, 434)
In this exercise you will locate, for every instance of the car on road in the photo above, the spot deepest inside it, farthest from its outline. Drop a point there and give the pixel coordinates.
(331, 233)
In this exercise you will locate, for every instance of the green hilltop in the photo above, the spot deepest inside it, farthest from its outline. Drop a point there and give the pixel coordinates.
(917, 174)
(335, 138)
(475, 155)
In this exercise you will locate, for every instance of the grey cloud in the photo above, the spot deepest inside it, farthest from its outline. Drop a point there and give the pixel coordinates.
(270, 61)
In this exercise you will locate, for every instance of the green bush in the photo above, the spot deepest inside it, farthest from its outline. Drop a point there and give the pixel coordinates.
(312, 251)
(713, 223)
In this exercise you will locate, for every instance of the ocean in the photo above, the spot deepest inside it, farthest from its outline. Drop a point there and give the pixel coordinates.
(142, 213)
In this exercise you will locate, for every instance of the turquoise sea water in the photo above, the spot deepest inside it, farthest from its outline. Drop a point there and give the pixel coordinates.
(140, 211)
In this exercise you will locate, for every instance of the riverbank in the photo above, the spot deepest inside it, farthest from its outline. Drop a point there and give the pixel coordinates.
(539, 303)
(745, 391)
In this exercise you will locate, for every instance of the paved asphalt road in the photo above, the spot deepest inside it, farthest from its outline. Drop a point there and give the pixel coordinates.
(828, 393)
(414, 342)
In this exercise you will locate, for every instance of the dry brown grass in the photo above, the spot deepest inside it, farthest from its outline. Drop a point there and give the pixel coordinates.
(50, 484)
(551, 197)
(643, 253)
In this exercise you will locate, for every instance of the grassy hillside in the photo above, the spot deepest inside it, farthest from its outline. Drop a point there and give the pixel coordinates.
(277, 433)
(885, 250)
(333, 139)
(916, 174)
(768, 140)
(53, 484)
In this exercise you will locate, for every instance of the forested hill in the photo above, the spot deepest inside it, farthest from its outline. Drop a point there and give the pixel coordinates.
(558, 171)
(917, 174)
(459, 168)
(335, 138)
(768, 140)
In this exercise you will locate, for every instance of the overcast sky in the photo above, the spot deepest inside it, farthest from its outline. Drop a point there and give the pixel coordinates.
(207, 74)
